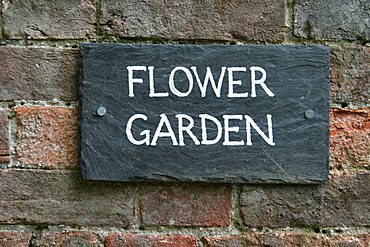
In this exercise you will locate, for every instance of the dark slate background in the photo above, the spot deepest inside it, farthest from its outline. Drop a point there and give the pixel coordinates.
(297, 75)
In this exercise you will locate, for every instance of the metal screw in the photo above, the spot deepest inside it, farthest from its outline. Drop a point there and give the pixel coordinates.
(101, 111)
(309, 114)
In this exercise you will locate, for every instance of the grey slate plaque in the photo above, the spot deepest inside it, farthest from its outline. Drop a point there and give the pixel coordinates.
(246, 114)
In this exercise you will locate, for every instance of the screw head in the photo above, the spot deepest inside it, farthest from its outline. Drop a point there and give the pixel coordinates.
(101, 111)
(309, 114)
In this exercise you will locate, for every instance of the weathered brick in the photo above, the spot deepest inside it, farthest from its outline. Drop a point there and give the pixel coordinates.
(1, 21)
(4, 137)
(39, 73)
(47, 136)
(42, 19)
(186, 205)
(62, 198)
(15, 239)
(346, 200)
(69, 238)
(350, 139)
(332, 19)
(341, 201)
(289, 239)
(141, 240)
(179, 19)
(350, 75)
(281, 205)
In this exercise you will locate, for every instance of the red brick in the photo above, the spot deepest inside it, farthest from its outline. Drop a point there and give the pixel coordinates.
(47, 136)
(187, 19)
(350, 75)
(39, 73)
(142, 240)
(43, 19)
(69, 238)
(359, 240)
(15, 239)
(4, 159)
(40, 197)
(4, 137)
(273, 239)
(186, 205)
(350, 139)
(289, 239)
(343, 200)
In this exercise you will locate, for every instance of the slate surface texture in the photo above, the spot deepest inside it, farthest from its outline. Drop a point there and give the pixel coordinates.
(297, 77)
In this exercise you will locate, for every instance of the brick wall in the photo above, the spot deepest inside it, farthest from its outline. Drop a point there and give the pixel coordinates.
(43, 201)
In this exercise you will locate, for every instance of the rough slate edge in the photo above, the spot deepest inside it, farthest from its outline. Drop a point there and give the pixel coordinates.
(323, 178)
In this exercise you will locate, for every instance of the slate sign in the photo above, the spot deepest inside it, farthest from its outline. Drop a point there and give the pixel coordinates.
(215, 113)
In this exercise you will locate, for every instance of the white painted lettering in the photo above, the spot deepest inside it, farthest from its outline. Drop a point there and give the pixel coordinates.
(209, 77)
(227, 129)
(231, 93)
(171, 81)
(132, 80)
(187, 129)
(249, 122)
(143, 133)
(152, 92)
(259, 81)
(159, 133)
(205, 141)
